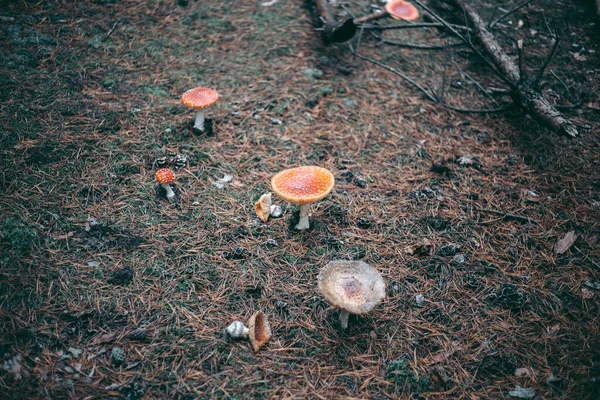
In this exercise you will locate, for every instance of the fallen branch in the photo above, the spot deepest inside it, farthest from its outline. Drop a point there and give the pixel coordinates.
(512, 10)
(524, 92)
(506, 215)
(430, 94)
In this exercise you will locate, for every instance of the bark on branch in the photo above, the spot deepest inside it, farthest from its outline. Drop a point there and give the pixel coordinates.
(523, 93)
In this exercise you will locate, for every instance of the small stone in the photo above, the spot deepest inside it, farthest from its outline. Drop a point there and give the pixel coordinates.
(522, 393)
(270, 243)
(276, 121)
(420, 300)
(459, 258)
(448, 250)
(276, 211)
(75, 352)
(350, 103)
(93, 264)
(117, 356)
(219, 185)
(312, 73)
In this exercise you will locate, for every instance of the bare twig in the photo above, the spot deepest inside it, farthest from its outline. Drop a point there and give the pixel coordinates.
(428, 94)
(110, 31)
(396, 72)
(524, 94)
(595, 264)
(506, 14)
(414, 26)
(548, 59)
(422, 46)
(522, 73)
(506, 215)
(469, 77)
(467, 41)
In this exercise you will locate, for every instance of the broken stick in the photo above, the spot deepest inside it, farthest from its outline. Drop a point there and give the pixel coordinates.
(523, 92)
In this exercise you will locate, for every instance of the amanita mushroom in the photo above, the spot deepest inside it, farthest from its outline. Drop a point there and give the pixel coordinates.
(260, 330)
(303, 186)
(263, 207)
(352, 286)
(200, 99)
(165, 177)
(401, 9)
(238, 330)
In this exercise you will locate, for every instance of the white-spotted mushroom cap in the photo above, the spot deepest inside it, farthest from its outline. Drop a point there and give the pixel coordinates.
(165, 176)
(303, 185)
(200, 98)
(260, 330)
(352, 286)
(263, 207)
(401, 9)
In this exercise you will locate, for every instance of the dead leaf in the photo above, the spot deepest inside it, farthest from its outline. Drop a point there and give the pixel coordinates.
(419, 249)
(440, 357)
(565, 243)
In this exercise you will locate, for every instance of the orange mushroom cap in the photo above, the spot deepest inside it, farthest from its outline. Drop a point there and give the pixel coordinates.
(401, 9)
(303, 185)
(165, 176)
(200, 97)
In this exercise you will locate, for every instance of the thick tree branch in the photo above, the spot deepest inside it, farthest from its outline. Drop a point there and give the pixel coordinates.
(523, 92)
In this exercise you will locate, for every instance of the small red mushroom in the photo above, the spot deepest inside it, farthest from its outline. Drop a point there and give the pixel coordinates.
(200, 99)
(401, 9)
(166, 177)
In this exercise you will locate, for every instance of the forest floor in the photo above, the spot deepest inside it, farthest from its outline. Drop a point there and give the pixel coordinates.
(107, 289)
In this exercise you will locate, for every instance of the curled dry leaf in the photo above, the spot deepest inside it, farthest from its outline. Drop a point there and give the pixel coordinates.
(419, 249)
(565, 243)
(263, 207)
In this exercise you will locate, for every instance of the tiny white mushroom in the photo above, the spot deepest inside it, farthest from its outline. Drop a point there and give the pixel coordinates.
(237, 330)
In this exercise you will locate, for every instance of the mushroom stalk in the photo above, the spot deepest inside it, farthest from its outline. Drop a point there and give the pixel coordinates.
(167, 187)
(303, 221)
(199, 124)
(344, 319)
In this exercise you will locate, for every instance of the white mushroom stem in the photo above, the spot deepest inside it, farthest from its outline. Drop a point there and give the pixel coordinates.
(167, 187)
(199, 124)
(344, 319)
(303, 221)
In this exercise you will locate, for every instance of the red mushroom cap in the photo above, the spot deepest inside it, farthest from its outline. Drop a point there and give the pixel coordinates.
(303, 185)
(200, 98)
(401, 9)
(165, 176)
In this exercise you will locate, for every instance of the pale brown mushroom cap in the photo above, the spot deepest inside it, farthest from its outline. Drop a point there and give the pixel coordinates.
(403, 10)
(352, 286)
(303, 185)
(260, 330)
(263, 207)
(200, 97)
